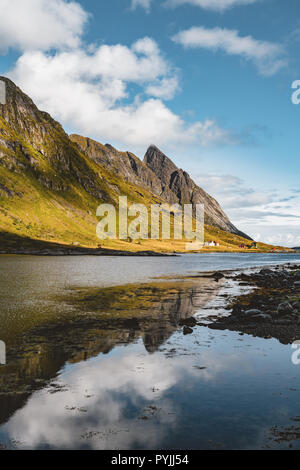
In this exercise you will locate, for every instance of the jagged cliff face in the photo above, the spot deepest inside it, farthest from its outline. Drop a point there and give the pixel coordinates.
(160, 175)
(186, 190)
(123, 164)
(32, 142)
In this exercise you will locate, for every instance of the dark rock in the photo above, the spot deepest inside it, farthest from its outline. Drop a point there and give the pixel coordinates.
(217, 276)
(285, 308)
(236, 310)
(253, 312)
(263, 316)
(131, 323)
(267, 272)
(191, 322)
(234, 318)
(187, 330)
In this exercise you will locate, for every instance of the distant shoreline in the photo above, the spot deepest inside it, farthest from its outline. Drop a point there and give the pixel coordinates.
(107, 252)
(16, 245)
(82, 252)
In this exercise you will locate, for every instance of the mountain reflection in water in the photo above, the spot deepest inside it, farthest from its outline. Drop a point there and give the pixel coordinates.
(97, 320)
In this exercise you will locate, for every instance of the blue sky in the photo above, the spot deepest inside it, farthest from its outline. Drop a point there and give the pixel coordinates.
(208, 81)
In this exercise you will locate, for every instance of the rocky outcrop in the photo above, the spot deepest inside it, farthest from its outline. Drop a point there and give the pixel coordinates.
(186, 191)
(125, 165)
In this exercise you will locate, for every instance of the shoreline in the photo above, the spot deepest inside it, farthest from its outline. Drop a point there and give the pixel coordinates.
(81, 252)
(69, 251)
(272, 307)
(16, 245)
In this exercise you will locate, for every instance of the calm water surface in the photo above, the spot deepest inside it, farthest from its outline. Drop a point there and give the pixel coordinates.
(110, 368)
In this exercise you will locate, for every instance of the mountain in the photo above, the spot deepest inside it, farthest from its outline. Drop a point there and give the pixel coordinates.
(159, 175)
(186, 191)
(125, 165)
(49, 190)
(51, 184)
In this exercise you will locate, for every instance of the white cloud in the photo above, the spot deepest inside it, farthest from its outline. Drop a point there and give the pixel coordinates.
(285, 236)
(55, 419)
(216, 5)
(266, 216)
(40, 24)
(271, 226)
(232, 192)
(165, 88)
(267, 56)
(90, 92)
(216, 183)
(114, 93)
(141, 3)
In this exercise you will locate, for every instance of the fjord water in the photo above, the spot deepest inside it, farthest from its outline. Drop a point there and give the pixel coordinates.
(116, 371)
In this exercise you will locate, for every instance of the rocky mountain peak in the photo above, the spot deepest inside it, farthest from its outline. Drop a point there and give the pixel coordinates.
(159, 163)
(180, 185)
(19, 108)
(25, 118)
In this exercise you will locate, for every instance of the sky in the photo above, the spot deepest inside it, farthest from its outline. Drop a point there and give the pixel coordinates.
(207, 81)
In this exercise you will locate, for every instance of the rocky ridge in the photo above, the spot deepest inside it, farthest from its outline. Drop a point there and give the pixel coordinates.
(158, 174)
